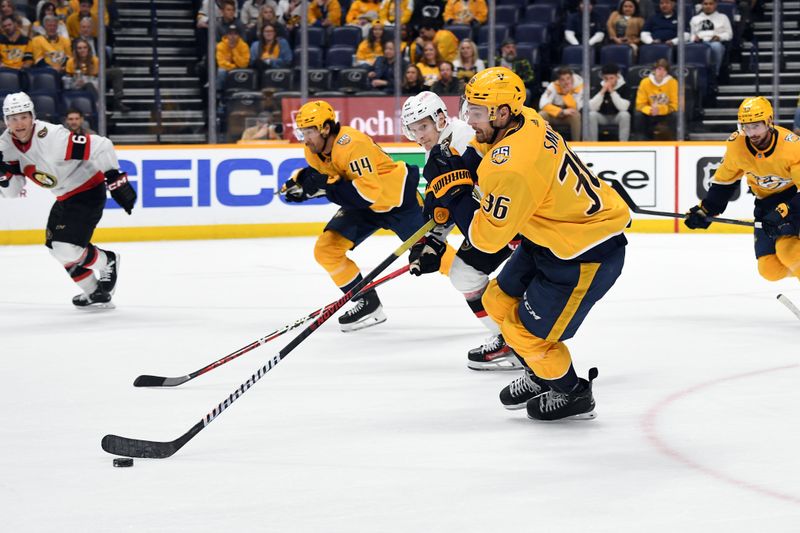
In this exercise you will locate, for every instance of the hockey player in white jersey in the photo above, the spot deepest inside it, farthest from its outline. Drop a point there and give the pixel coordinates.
(77, 169)
(426, 122)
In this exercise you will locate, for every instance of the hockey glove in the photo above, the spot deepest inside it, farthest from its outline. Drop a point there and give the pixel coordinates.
(697, 218)
(120, 189)
(779, 222)
(304, 185)
(448, 178)
(426, 256)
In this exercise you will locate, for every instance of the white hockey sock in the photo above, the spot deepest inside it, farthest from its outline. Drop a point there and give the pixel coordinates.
(490, 324)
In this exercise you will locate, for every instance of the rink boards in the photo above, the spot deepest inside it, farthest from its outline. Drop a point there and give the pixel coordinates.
(230, 191)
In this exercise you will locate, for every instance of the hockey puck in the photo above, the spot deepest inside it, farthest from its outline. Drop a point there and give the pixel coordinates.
(123, 461)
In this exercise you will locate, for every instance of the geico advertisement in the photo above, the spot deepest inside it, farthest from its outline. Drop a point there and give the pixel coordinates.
(231, 185)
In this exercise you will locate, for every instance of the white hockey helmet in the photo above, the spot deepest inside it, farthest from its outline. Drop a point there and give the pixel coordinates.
(417, 107)
(16, 103)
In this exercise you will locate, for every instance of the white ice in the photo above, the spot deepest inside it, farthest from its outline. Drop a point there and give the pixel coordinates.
(386, 430)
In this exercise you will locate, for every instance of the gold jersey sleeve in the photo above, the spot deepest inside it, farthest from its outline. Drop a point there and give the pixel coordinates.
(767, 171)
(532, 183)
(356, 157)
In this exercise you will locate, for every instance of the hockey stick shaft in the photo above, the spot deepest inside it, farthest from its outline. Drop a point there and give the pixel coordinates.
(158, 450)
(789, 305)
(161, 381)
(620, 188)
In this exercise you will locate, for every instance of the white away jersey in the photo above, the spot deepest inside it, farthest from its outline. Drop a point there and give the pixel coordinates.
(58, 160)
(460, 134)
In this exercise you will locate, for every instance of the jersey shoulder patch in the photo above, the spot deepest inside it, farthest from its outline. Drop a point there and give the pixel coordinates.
(792, 138)
(344, 139)
(500, 155)
(733, 136)
(42, 133)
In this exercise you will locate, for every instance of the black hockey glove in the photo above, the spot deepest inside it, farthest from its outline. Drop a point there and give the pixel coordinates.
(697, 218)
(426, 256)
(448, 178)
(305, 185)
(120, 189)
(779, 222)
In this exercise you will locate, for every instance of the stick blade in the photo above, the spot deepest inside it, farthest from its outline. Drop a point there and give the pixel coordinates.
(126, 447)
(159, 381)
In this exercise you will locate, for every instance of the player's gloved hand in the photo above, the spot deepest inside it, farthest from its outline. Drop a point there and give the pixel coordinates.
(697, 218)
(306, 184)
(779, 222)
(426, 256)
(120, 189)
(448, 178)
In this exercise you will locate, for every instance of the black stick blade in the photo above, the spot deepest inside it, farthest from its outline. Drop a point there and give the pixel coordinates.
(159, 381)
(117, 445)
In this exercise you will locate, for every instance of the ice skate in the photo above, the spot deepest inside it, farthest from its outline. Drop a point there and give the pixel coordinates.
(99, 299)
(495, 354)
(108, 275)
(576, 405)
(525, 388)
(366, 312)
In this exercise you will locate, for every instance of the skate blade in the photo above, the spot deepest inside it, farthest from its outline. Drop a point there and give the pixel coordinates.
(364, 323)
(503, 365)
(591, 415)
(107, 306)
(516, 407)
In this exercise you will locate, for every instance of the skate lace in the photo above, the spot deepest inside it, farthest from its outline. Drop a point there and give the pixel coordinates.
(105, 274)
(492, 343)
(524, 384)
(552, 401)
(359, 304)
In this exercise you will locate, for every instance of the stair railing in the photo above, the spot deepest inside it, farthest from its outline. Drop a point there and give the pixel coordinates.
(157, 109)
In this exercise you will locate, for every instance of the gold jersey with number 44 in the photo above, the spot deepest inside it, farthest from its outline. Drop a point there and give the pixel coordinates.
(531, 182)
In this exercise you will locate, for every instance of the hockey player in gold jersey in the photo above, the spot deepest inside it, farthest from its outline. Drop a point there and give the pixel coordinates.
(573, 248)
(349, 169)
(768, 157)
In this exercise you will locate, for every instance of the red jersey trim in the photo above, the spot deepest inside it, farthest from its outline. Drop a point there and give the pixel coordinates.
(93, 182)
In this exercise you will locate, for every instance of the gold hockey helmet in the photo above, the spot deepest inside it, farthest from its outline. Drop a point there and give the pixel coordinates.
(494, 87)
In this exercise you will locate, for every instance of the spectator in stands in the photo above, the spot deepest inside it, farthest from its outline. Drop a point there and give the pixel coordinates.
(82, 69)
(74, 6)
(263, 130)
(387, 11)
(574, 27)
(15, 48)
(268, 15)
(470, 12)
(625, 24)
(232, 52)
(714, 29)
(371, 48)
(202, 13)
(325, 13)
(76, 123)
(270, 51)
(249, 13)
(84, 10)
(656, 105)
(382, 74)
(610, 105)
(663, 27)
(412, 81)
(467, 64)
(446, 43)
(429, 64)
(362, 13)
(407, 42)
(63, 10)
(114, 75)
(424, 10)
(51, 50)
(561, 102)
(520, 65)
(227, 19)
(7, 9)
(290, 11)
(48, 8)
(447, 84)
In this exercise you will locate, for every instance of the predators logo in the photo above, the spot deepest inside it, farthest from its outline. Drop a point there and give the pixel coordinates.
(501, 155)
(770, 182)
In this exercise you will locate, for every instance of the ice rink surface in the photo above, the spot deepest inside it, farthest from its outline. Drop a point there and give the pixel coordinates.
(386, 430)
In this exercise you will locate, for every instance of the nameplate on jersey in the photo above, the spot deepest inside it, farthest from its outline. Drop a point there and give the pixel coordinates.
(501, 155)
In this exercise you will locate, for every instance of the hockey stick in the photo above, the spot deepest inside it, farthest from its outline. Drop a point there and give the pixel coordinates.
(158, 450)
(789, 305)
(160, 381)
(617, 186)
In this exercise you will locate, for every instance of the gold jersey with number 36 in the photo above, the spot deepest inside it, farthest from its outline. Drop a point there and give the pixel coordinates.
(531, 182)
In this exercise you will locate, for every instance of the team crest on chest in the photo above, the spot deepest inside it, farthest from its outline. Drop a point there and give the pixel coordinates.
(42, 134)
(501, 155)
